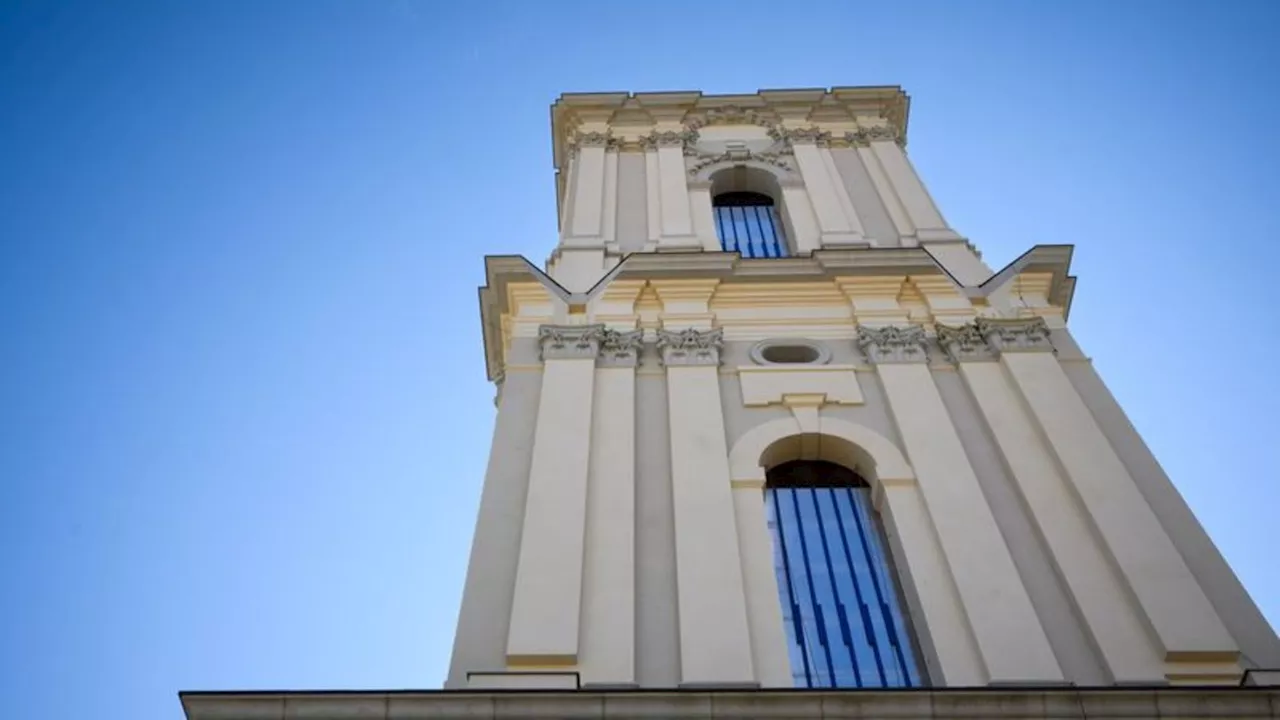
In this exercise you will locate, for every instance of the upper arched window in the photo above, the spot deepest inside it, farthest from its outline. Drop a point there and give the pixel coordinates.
(747, 222)
(844, 622)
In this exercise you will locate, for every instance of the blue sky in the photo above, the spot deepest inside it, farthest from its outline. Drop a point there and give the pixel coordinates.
(245, 418)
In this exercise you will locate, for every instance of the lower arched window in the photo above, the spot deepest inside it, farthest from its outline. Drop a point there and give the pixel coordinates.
(747, 223)
(844, 622)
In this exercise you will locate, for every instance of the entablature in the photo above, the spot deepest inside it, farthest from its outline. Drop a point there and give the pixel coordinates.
(826, 295)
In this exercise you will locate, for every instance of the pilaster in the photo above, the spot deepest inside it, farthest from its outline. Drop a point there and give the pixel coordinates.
(609, 588)
(837, 221)
(545, 615)
(1174, 608)
(715, 636)
(675, 212)
(1008, 634)
(903, 183)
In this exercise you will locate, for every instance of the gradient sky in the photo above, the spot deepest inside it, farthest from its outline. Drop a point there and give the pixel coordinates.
(244, 412)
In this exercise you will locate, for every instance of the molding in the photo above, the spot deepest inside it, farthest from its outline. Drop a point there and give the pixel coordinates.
(690, 347)
(620, 349)
(964, 343)
(569, 342)
(731, 115)
(926, 703)
(1016, 335)
(590, 139)
(703, 161)
(686, 139)
(893, 344)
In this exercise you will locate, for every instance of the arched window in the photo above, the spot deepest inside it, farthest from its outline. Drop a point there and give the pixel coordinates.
(748, 223)
(845, 625)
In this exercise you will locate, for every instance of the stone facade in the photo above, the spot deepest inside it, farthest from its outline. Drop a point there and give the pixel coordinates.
(621, 551)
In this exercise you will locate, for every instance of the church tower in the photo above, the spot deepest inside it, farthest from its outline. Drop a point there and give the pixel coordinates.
(768, 420)
(773, 441)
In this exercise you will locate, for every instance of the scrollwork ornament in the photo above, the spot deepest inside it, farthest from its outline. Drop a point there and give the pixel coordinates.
(963, 343)
(690, 347)
(620, 349)
(568, 342)
(893, 344)
(1016, 334)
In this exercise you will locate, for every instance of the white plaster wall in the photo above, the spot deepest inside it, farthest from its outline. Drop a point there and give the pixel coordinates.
(1099, 593)
(1175, 608)
(1012, 642)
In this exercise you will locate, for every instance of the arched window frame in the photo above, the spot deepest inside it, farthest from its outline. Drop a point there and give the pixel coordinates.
(784, 185)
(843, 607)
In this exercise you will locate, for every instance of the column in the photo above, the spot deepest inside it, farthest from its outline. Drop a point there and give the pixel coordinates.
(704, 219)
(837, 226)
(1008, 633)
(1175, 609)
(548, 590)
(589, 186)
(1103, 602)
(715, 637)
(609, 593)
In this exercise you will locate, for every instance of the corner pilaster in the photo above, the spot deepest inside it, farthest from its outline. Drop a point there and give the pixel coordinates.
(1109, 614)
(545, 613)
(1174, 608)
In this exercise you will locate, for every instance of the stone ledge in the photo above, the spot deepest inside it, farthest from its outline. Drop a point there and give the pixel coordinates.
(922, 704)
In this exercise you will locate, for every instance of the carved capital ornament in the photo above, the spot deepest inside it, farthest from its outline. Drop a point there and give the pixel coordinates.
(964, 343)
(569, 342)
(620, 349)
(1015, 334)
(893, 344)
(690, 347)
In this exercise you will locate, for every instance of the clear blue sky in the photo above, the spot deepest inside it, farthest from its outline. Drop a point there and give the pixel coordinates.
(243, 404)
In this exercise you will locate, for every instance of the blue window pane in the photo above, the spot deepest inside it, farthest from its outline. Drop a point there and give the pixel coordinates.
(844, 624)
(748, 224)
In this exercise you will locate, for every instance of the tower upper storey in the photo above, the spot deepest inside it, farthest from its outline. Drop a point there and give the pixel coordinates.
(773, 174)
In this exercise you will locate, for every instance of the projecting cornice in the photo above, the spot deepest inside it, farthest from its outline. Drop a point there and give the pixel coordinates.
(1044, 269)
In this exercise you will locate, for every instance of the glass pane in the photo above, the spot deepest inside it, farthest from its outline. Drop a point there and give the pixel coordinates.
(844, 624)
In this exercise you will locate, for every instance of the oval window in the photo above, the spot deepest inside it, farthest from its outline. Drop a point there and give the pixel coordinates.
(789, 352)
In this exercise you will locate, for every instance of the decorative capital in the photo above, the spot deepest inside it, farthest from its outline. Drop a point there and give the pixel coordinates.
(690, 347)
(670, 138)
(620, 349)
(964, 343)
(568, 342)
(893, 344)
(866, 135)
(800, 136)
(1016, 334)
(580, 140)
